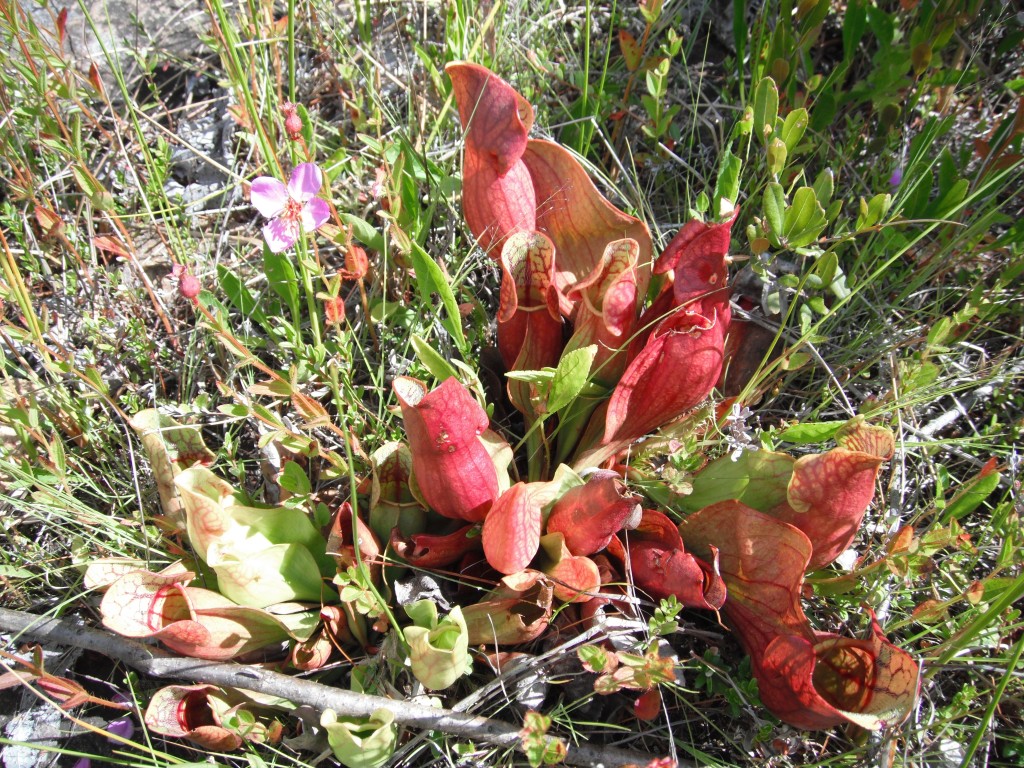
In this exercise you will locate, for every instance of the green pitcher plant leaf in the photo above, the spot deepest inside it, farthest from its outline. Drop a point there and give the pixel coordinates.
(361, 742)
(438, 649)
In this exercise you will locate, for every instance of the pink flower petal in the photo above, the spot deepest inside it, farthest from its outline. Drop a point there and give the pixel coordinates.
(281, 234)
(314, 214)
(305, 182)
(269, 196)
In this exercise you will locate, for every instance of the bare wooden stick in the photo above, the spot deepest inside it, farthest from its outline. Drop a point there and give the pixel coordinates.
(158, 663)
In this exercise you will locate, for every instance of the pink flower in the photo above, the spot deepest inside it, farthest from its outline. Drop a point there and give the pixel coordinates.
(292, 210)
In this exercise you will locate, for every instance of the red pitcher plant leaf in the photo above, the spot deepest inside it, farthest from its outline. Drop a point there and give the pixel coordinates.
(662, 567)
(511, 183)
(451, 465)
(189, 620)
(696, 256)
(830, 492)
(312, 654)
(575, 579)
(606, 302)
(871, 683)
(185, 712)
(677, 357)
(674, 372)
(518, 611)
(762, 561)
(424, 550)
(578, 218)
(808, 679)
(497, 192)
(825, 495)
(529, 325)
(590, 514)
(511, 534)
(339, 542)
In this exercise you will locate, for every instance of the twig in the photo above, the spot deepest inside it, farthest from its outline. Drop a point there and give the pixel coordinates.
(157, 663)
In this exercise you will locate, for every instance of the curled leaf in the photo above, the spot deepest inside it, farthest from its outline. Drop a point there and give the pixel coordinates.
(829, 492)
(392, 502)
(497, 193)
(529, 325)
(606, 302)
(518, 611)
(675, 371)
(574, 579)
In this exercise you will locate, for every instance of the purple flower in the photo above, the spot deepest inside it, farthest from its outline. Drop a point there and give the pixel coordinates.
(122, 727)
(896, 178)
(292, 210)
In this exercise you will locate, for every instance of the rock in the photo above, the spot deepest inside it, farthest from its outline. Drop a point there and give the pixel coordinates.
(127, 30)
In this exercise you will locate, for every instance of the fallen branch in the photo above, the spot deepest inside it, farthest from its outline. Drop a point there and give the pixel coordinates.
(158, 663)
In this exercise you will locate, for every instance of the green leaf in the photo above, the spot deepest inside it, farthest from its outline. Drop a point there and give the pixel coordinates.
(423, 613)
(805, 219)
(439, 368)
(766, 108)
(97, 194)
(281, 277)
(361, 742)
(364, 232)
(570, 377)
(759, 479)
(824, 110)
(777, 154)
(811, 432)
(532, 377)
(800, 213)
(430, 278)
(728, 185)
(14, 572)
(793, 128)
(826, 267)
(294, 479)
(280, 573)
(949, 202)
(855, 23)
(940, 332)
(872, 211)
(824, 185)
(972, 494)
(774, 210)
(651, 10)
(239, 295)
